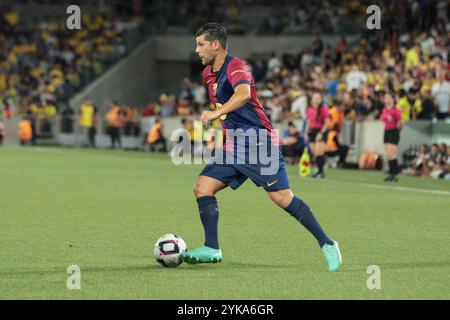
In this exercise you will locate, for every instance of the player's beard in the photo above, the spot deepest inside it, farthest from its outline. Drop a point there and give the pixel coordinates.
(206, 61)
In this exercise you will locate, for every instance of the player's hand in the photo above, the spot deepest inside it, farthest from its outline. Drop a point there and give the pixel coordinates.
(208, 116)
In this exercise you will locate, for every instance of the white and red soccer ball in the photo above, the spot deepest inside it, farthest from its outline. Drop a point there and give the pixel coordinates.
(168, 248)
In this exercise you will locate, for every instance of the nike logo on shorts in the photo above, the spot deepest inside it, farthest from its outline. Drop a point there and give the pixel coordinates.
(271, 183)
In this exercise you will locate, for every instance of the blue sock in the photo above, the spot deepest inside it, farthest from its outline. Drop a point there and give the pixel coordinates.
(209, 214)
(301, 212)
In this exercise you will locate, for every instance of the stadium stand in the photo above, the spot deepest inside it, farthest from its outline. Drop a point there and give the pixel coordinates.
(43, 65)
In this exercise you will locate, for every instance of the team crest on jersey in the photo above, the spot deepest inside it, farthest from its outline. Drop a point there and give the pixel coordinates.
(214, 88)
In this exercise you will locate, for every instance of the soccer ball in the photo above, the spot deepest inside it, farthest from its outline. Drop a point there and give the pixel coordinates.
(167, 250)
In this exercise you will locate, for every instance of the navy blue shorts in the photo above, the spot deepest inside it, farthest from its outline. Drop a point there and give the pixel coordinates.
(234, 175)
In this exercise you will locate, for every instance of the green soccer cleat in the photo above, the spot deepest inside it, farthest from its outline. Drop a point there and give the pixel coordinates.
(202, 255)
(333, 256)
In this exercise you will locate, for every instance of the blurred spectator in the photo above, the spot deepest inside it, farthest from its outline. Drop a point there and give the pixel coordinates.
(337, 116)
(355, 79)
(446, 166)
(25, 132)
(147, 121)
(410, 105)
(67, 119)
(441, 94)
(428, 108)
(86, 122)
(293, 143)
(127, 120)
(274, 64)
(334, 148)
(155, 138)
(2, 131)
(114, 124)
(420, 162)
(93, 128)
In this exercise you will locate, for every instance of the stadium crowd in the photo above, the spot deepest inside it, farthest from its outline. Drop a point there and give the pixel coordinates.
(415, 69)
(42, 63)
(431, 162)
(255, 16)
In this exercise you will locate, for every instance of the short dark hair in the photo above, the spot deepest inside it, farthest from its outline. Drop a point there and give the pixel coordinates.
(214, 31)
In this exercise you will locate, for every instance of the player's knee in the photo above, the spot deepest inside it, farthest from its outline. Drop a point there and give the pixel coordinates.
(200, 190)
(281, 199)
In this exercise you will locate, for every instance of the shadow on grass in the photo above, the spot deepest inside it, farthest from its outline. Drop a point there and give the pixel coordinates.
(252, 266)
(158, 268)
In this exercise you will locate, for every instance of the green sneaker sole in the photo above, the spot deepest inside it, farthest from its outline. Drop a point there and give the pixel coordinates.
(197, 260)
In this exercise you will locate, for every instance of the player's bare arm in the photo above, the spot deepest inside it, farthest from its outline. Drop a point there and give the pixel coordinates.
(241, 96)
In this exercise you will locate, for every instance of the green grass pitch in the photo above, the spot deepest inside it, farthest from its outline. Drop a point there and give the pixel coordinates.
(103, 210)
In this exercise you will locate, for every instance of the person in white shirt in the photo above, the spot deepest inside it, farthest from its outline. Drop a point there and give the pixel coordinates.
(441, 94)
(274, 64)
(298, 108)
(355, 79)
(299, 105)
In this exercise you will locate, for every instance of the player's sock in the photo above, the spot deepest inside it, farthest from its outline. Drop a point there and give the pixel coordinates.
(209, 214)
(320, 163)
(301, 212)
(395, 170)
(392, 167)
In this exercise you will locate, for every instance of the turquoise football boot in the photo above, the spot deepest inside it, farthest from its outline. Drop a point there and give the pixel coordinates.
(202, 255)
(333, 256)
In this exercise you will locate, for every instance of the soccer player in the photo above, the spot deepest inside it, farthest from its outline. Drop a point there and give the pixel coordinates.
(392, 118)
(231, 89)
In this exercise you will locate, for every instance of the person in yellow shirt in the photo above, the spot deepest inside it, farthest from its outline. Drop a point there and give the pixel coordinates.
(11, 18)
(86, 113)
(412, 57)
(410, 105)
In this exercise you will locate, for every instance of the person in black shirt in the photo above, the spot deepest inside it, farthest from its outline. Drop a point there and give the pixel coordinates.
(428, 108)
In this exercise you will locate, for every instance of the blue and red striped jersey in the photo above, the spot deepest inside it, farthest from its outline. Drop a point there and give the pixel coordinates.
(221, 85)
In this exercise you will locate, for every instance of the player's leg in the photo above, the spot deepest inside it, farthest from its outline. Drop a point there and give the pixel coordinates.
(212, 179)
(205, 190)
(393, 163)
(386, 151)
(320, 158)
(298, 209)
